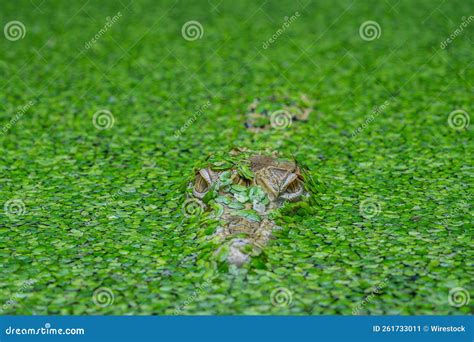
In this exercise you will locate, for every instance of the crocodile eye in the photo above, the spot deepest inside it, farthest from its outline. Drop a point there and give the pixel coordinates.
(294, 187)
(293, 190)
(202, 183)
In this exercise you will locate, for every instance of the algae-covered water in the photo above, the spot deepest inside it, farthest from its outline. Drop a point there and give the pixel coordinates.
(107, 107)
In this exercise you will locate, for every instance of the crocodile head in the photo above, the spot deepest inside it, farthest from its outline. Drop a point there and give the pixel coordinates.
(242, 190)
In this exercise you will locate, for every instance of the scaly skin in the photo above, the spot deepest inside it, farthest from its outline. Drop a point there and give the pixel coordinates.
(243, 200)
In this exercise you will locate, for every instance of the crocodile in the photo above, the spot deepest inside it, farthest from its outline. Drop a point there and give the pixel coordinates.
(242, 191)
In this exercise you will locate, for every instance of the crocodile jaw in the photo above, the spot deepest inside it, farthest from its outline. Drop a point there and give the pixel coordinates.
(257, 236)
